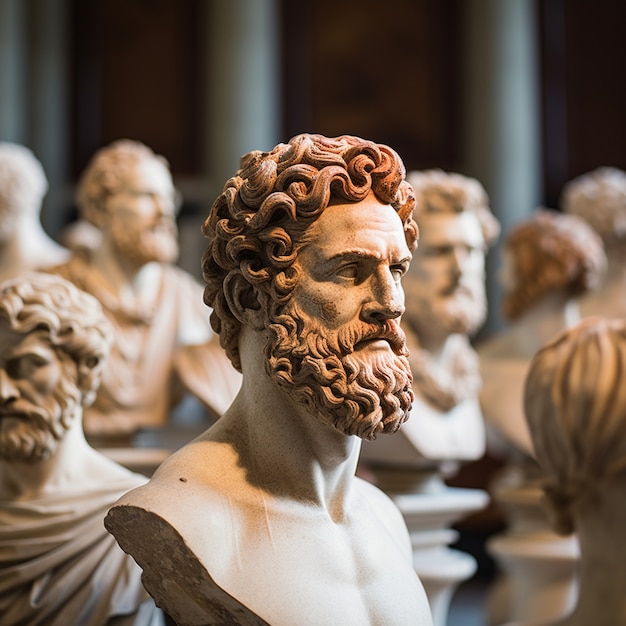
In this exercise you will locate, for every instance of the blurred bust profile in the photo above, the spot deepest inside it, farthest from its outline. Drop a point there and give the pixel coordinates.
(445, 305)
(549, 261)
(599, 197)
(164, 346)
(24, 245)
(575, 396)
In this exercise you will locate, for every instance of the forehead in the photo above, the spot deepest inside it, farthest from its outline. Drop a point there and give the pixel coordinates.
(368, 225)
(13, 342)
(147, 174)
(438, 229)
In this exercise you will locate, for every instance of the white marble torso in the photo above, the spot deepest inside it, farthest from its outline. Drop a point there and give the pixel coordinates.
(288, 562)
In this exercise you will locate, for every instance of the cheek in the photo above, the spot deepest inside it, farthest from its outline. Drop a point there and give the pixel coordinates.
(320, 307)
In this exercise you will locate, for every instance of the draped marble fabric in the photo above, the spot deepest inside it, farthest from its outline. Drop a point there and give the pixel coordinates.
(59, 566)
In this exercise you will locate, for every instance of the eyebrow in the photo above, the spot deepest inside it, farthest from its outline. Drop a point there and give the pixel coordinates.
(358, 254)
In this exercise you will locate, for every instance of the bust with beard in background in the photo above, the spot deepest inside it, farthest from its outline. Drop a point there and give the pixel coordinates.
(445, 305)
(164, 345)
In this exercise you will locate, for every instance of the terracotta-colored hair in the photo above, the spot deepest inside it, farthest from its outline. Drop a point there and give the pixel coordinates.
(551, 251)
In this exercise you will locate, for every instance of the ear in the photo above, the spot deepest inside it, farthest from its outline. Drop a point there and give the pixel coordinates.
(244, 301)
(89, 375)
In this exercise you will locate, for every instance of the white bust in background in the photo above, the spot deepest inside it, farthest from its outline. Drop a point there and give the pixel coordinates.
(575, 396)
(262, 517)
(164, 345)
(599, 197)
(24, 245)
(445, 303)
(549, 261)
(57, 563)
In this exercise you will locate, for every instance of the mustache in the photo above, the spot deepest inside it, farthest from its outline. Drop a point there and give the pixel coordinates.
(356, 335)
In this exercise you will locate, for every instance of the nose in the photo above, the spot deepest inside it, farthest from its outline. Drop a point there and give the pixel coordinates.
(385, 300)
(8, 390)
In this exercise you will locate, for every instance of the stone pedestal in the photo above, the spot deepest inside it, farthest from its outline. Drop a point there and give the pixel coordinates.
(429, 508)
(537, 582)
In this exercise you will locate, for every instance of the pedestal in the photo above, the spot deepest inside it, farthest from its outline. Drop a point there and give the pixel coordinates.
(537, 582)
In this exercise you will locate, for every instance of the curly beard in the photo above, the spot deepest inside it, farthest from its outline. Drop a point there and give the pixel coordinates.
(464, 311)
(360, 392)
(30, 433)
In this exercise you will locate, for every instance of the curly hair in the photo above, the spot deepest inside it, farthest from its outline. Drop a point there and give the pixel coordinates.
(105, 174)
(552, 251)
(23, 182)
(574, 401)
(437, 191)
(73, 319)
(599, 197)
(258, 224)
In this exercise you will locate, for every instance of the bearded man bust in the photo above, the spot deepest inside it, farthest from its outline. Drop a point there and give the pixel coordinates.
(58, 565)
(164, 346)
(261, 519)
(446, 304)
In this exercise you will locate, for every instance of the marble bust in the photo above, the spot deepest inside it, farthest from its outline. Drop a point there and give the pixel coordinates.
(24, 245)
(575, 396)
(164, 345)
(445, 304)
(58, 565)
(261, 519)
(549, 261)
(599, 197)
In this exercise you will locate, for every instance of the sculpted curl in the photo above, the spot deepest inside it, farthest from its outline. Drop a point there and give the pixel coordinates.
(258, 224)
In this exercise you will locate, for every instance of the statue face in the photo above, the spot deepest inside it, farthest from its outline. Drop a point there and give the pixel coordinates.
(142, 215)
(445, 287)
(339, 335)
(38, 397)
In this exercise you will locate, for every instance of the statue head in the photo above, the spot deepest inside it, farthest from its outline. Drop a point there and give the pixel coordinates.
(258, 230)
(127, 192)
(55, 341)
(599, 197)
(445, 286)
(551, 252)
(574, 401)
(23, 185)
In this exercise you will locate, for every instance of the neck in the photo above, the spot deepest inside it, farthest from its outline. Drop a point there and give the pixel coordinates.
(285, 448)
(125, 279)
(541, 323)
(29, 248)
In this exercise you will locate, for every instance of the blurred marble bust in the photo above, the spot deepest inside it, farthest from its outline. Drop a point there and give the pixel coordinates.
(57, 563)
(24, 244)
(164, 345)
(599, 197)
(548, 262)
(575, 396)
(445, 305)
(262, 517)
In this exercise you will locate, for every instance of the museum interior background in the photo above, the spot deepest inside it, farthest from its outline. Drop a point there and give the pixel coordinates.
(521, 94)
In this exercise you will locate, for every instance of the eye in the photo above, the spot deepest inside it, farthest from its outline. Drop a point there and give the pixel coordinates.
(399, 270)
(25, 366)
(351, 270)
